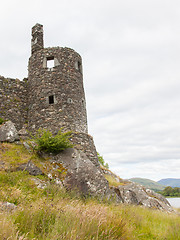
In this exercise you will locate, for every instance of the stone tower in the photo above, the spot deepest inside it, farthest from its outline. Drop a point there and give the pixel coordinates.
(55, 82)
(52, 97)
(56, 96)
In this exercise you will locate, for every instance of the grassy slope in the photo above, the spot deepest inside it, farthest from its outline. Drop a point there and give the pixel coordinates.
(148, 183)
(51, 213)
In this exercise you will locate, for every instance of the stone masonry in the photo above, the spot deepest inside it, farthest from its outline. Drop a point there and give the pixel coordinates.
(13, 100)
(52, 97)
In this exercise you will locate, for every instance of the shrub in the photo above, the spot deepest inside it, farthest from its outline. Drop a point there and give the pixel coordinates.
(1, 121)
(102, 162)
(45, 141)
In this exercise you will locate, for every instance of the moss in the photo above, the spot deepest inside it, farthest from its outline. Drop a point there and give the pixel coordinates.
(55, 169)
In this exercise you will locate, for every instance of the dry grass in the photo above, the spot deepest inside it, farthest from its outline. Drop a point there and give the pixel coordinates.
(64, 219)
(62, 216)
(113, 182)
(54, 214)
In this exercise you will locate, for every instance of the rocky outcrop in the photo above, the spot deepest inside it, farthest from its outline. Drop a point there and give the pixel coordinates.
(8, 132)
(132, 193)
(135, 194)
(80, 173)
(86, 178)
(30, 168)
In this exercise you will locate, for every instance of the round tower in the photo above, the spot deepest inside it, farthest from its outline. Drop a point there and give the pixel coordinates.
(56, 92)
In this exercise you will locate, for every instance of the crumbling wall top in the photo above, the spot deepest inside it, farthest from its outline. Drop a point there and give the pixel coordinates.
(37, 42)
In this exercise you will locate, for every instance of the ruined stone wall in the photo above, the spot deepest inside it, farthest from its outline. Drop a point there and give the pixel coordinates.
(63, 83)
(13, 99)
(37, 41)
(53, 95)
(85, 143)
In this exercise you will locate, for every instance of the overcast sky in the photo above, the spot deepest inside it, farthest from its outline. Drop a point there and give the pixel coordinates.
(131, 67)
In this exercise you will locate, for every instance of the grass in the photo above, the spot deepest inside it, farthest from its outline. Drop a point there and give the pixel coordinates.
(52, 213)
(113, 181)
(12, 155)
(56, 214)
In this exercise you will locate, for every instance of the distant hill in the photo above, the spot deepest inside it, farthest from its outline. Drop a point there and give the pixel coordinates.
(172, 182)
(148, 183)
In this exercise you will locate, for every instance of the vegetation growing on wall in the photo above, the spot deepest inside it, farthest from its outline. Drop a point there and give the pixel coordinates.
(45, 141)
(102, 162)
(1, 121)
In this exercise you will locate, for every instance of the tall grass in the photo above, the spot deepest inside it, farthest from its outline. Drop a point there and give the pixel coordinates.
(54, 214)
(58, 215)
(151, 224)
(70, 221)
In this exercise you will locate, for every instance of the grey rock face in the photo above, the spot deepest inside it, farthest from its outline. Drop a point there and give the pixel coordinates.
(82, 174)
(30, 168)
(8, 132)
(39, 183)
(137, 195)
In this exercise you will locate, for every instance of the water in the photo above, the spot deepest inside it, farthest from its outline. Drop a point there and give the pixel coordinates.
(175, 202)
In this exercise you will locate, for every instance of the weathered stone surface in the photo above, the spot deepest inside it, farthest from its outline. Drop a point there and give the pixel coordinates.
(13, 101)
(85, 143)
(23, 133)
(30, 168)
(39, 183)
(85, 177)
(8, 132)
(82, 174)
(27, 146)
(7, 206)
(135, 194)
(56, 93)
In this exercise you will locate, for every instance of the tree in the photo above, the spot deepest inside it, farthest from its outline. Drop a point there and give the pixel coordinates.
(171, 192)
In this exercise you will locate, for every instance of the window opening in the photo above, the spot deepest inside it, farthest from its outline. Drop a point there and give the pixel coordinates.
(51, 99)
(50, 62)
(79, 66)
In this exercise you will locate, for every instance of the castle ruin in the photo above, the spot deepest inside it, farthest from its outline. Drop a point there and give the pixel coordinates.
(52, 97)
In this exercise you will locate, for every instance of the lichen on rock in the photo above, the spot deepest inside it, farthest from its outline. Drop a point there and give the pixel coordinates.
(8, 132)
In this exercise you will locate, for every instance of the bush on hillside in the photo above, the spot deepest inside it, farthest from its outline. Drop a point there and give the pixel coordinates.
(45, 141)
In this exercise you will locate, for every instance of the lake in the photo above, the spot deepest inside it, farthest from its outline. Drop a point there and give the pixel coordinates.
(175, 202)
